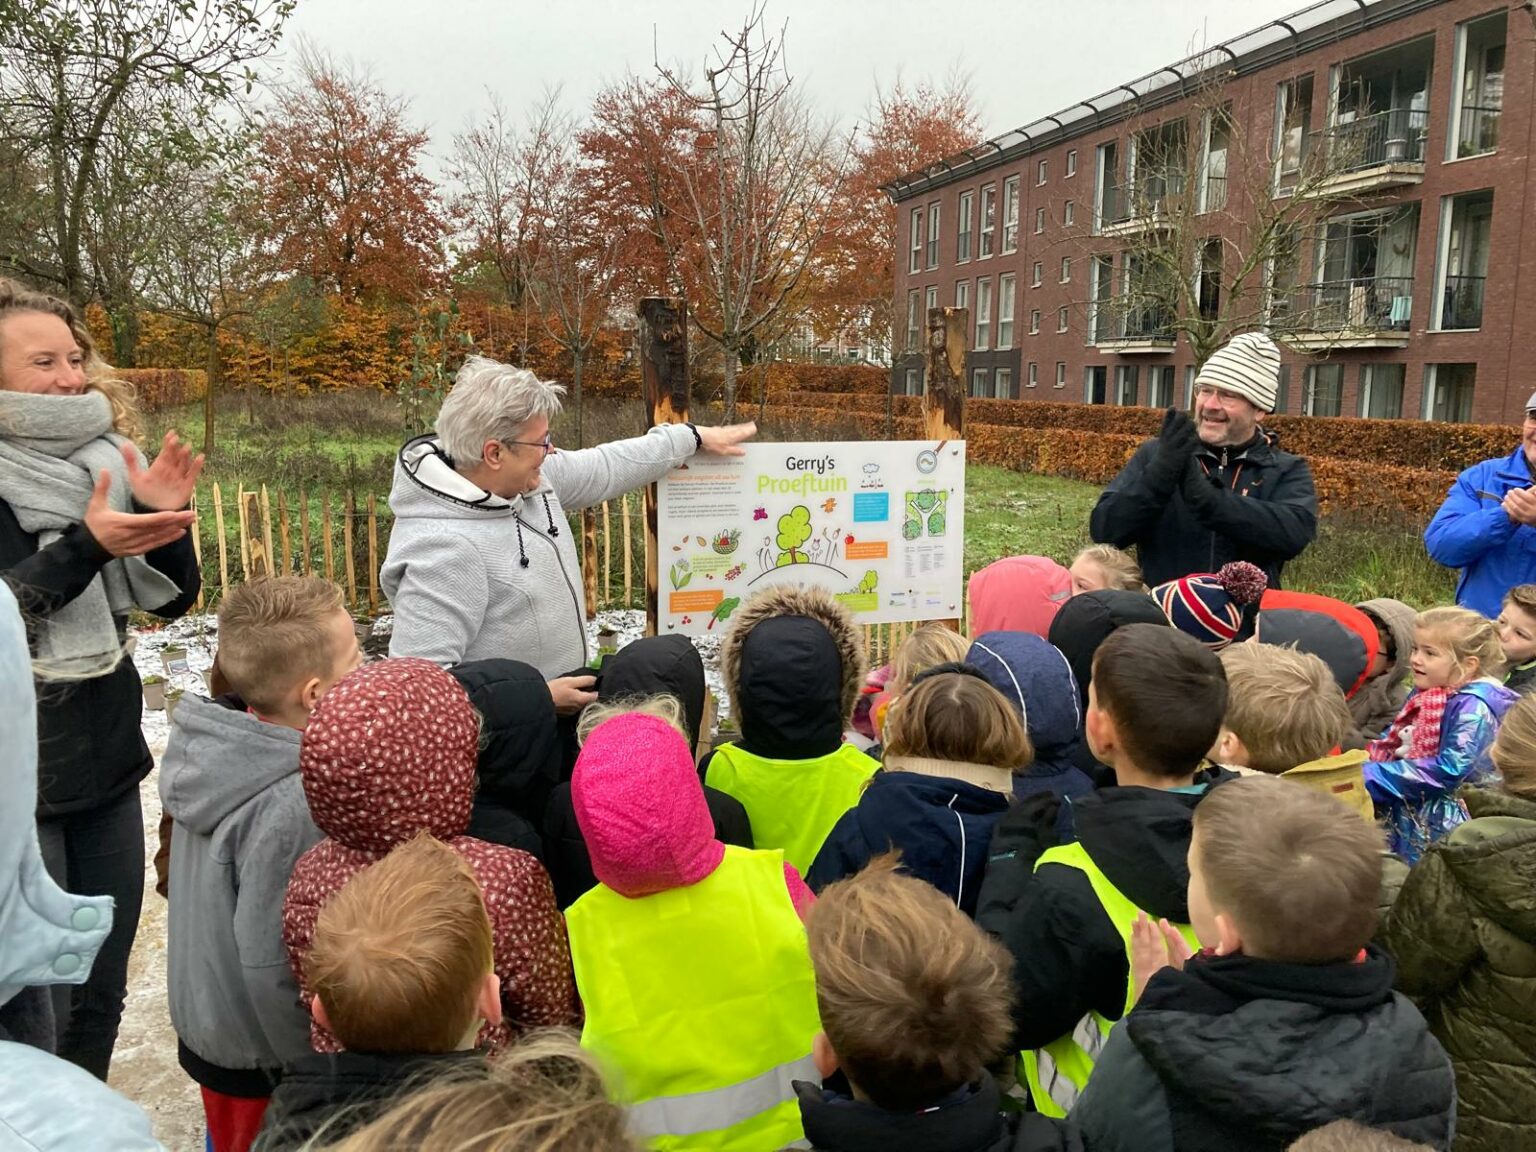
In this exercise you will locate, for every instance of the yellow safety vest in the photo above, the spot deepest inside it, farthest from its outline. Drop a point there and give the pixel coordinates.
(792, 804)
(701, 1004)
(1057, 1074)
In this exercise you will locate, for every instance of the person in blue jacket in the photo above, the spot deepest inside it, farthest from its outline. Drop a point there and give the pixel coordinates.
(1487, 525)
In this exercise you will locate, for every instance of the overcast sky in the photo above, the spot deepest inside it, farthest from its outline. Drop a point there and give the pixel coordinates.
(1025, 58)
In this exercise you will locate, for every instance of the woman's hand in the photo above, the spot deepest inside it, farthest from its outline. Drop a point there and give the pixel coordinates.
(167, 485)
(726, 440)
(572, 693)
(131, 533)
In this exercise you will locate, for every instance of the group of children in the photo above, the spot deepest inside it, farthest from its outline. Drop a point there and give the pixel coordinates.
(1128, 869)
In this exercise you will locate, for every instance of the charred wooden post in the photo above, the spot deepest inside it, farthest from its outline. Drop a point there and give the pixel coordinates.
(663, 340)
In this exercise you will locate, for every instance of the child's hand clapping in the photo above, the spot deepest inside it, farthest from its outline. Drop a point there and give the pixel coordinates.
(1155, 946)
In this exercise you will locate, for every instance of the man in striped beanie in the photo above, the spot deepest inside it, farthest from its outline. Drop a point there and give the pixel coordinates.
(1215, 488)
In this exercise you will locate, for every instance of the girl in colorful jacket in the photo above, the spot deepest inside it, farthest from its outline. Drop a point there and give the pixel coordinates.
(1440, 739)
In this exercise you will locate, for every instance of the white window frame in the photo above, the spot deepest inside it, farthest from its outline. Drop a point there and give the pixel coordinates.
(1033, 378)
(1010, 215)
(1063, 319)
(1069, 213)
(981, 379)
(1309, 386)
(962, 293)
(963, 235)
(983, 314)
(1002, 383)
(1037, 274)
(930, 300)
(914, 319)
(913, 384)
(1061, 373)
(915, 225)
(1007, 290)
(1071, 161)
(1041, 169)
(1066, 270)
(934, 232)
(1368, 383)
(1034, 322)
(1039, 221)
(988, 222)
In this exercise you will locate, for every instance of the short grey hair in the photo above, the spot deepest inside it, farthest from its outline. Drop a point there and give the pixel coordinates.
(491, 401)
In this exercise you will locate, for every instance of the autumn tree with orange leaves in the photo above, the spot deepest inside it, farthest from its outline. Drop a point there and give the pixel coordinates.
(347, 202)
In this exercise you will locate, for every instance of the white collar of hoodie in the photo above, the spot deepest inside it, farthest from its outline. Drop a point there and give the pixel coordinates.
(424, 461)
(981, 775)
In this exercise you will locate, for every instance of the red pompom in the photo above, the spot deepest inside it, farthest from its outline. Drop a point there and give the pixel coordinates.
(1244, 582)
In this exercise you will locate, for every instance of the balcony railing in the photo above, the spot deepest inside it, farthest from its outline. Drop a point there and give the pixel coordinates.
(1479, 130)
(1379, 304)
(1149, 324)
(1392, 137)
(1462, 306)
(1152, 201)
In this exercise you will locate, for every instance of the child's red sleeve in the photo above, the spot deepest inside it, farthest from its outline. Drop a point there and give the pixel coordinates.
(799, 895)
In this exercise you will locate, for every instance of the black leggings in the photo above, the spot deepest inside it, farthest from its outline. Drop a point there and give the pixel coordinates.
(99, 852)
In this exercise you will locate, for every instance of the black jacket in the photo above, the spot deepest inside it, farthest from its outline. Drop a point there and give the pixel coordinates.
(1238, 1053)
(971, 1122)
(654, 665)
(519, 762)
(1068, 956)
(343, 1091)
(1262, 508)
(90, 747)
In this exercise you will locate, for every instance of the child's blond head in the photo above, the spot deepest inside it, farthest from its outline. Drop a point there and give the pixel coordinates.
(400, 954)
(1284, 705)
(1295, 870)
(1471, 638)
(915, 999)
(930, 645)
(276, 632)
(1514, 751)
(661, 706)
(1103, 566)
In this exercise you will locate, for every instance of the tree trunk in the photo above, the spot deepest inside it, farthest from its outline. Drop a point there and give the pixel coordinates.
(732, 363)
(576, 392)
(215, 372)
(125, 335)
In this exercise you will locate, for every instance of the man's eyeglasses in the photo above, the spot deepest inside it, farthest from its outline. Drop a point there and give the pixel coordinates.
(548, 443)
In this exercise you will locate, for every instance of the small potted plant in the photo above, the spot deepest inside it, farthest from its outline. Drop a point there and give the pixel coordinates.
(174, 660)
(607, 642)
(172, 698)
(154, 693)
(363, 627)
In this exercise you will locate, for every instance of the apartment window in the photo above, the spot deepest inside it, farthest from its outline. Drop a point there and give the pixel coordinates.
(1189, 385)
(1101, 272)
(1293, 138)
(1072, 162)
(983, 315)
(915, 262)
(981, 382)
(963, 236)
(914, 384)
(1095, 384)
(1037, 275)
(1381, 391)
(1040, 172)
(1126, 380)
(1364, 276)
(1283, 389)
(1005, 295)
(1109, 201)
(1478, 92)
(1061, 320)
(1380, 107)
(1466, 224)
(1160, 386)
(1069, 213)
(1004, 384)
(962, 294)
(914, 324)
(1039, 221)
(1034, 322)
(1448, 392)
(1325, 390)
(1213, 170)
(930, 300)
(1066, 269)
(1061, 373)
(1011, 214)
(988, 220)
(933, 235)
(1033, 378)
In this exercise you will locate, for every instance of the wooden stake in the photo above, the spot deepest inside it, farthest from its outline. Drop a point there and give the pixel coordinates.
(944, 388)
(589, 560)
(373, 555)
(607, 554)
(245, 533)
(266, 528)
(286, 555)
(665, 387)
(254, 534)
(197, 552)
(628, 551)
(346, 543)
(218, 527)
(325, 535)
(304, 532)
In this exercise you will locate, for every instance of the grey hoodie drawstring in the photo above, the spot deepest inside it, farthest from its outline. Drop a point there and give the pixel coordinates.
(522, 556)
(550, 516)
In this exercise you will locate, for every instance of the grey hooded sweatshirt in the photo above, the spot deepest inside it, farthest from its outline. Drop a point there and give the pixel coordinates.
(474, 576)
(231, 783)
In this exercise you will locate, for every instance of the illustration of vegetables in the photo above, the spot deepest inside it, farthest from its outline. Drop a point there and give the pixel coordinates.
(680, 574)
(723, 611)
(725, 542)
(794, 530)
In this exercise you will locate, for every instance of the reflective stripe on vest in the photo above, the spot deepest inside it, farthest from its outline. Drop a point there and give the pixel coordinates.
(1057, 1073)
(792, 804)
(701, 1004)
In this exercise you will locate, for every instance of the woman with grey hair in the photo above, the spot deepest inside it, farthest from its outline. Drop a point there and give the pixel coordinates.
(481, 562)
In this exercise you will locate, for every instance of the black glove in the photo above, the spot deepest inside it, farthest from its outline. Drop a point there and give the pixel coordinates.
(1176, 444)
(1201, 490)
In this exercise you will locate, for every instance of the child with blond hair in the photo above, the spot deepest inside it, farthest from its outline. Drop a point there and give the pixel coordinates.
(1440, 739)
(1102, 566)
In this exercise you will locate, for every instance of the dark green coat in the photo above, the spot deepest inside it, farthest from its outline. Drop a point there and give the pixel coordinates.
(1464, 934)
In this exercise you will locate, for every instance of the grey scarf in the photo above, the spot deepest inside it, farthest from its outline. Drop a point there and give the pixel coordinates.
(51, 450)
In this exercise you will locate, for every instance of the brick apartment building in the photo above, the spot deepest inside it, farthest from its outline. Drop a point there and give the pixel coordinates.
(1405, 298)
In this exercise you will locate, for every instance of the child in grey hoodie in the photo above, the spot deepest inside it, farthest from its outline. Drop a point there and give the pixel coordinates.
(230, 781)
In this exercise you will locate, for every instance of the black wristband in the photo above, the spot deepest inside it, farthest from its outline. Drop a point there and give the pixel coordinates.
(698, 441)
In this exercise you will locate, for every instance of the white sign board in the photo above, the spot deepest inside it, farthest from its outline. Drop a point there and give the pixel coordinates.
(881, 525)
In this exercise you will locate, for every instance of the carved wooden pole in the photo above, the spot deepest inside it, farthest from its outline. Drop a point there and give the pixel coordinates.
(944, 381)
(663, 340)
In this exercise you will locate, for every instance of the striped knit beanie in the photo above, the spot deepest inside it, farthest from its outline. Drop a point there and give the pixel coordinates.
(1249, 365)
(1210, 607)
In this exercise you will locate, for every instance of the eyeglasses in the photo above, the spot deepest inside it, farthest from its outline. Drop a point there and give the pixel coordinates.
(548, 443)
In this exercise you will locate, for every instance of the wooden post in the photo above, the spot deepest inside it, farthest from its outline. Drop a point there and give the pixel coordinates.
(308, 565)
(197, 551)
(325, 536)
(266, 529)
(944, 384)
(373, 555)
(245, 536)
(286, 556)
(607, 554)
(589, 560)
(255, 533)
(628, 550)
(218, 527)
(347, 516)
(664, 382)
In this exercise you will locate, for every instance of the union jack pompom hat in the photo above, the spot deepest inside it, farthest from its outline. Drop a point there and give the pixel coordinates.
(1210, 607)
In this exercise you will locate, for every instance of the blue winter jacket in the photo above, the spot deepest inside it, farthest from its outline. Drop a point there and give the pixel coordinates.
(1038, 681)
(942, 827)
(1417, 798)
(1472, 532)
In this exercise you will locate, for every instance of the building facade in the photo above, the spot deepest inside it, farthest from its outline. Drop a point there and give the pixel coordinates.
(1403, 126)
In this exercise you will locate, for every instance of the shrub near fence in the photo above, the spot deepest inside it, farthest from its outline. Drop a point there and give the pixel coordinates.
(158, 388)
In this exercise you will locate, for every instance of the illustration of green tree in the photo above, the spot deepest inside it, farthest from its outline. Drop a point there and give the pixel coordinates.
(723, 611)
(794, 530)
(870, 582)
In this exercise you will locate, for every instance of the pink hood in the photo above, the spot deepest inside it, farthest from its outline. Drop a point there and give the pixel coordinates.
(641, 808)
(1018, 594)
